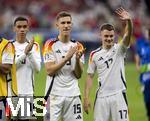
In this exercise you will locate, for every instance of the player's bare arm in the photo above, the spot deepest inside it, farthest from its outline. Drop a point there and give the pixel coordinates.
(79, 65)
(88, 86)
(5, 68)
(125, 16)
(52, 67)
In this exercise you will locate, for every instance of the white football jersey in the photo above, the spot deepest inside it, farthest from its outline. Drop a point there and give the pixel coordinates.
(65, 83)
(26, 65)
(110, 68)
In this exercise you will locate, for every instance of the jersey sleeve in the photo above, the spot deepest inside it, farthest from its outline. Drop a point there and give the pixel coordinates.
(36, 52)
(19, 59)
(48, 54)
(8, 54)
(35, 57)
(91, 64)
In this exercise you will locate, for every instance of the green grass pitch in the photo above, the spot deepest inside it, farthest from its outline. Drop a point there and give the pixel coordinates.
(135, 98)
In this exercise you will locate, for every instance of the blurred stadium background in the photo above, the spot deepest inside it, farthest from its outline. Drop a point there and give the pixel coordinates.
(87, 15)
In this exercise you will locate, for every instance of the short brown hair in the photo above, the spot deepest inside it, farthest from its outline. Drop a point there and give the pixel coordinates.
(63, 14)
(20, 18)
(107, 26)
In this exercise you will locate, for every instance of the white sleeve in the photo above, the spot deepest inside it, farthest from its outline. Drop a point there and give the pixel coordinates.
(91, 65)
(20, 59)
(35, 58)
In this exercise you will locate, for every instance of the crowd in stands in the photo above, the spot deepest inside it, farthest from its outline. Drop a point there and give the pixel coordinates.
(87, 14)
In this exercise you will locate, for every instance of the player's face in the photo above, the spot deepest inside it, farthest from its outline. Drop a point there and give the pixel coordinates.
(64, 25)
(21, 28)
(107, 38)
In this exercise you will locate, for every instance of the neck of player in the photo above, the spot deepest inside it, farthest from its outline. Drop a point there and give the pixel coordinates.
(107, 47)
(64, 38)
(20, 39)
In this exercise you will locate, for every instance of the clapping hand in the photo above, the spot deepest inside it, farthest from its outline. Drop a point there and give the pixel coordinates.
(29, 47)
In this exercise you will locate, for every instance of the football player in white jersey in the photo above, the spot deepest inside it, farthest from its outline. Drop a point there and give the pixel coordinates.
(28, 60)
(108, 60)
(64, 60)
